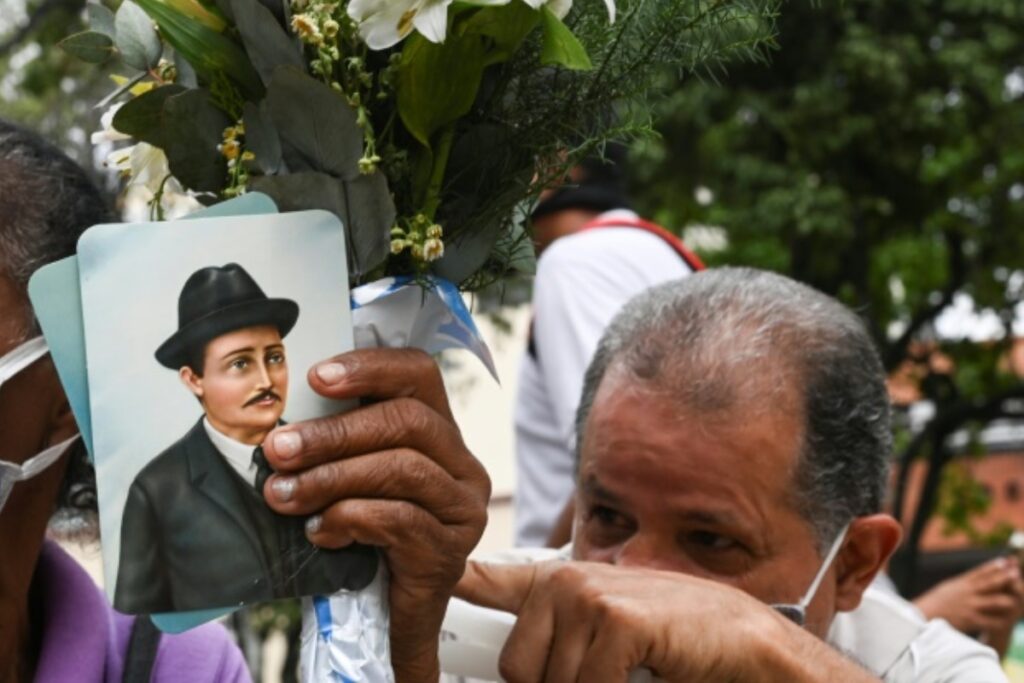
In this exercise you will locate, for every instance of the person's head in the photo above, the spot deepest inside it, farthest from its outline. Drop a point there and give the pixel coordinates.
(46, 202)
(732, 424)
(228, 350)
(241, 381)
(595, 185)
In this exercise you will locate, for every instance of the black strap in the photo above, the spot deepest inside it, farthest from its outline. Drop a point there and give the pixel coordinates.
(142, 648)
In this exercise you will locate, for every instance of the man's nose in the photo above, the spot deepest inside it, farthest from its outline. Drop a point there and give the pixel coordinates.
(264, 374)
(647, 551)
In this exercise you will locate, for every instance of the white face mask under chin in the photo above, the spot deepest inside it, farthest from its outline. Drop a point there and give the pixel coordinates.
(10, 365)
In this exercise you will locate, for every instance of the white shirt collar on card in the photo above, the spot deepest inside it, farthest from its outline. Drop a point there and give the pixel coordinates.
(238, 454)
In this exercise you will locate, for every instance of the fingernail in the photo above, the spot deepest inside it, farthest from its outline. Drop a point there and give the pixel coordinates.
(331, 373)
(287, 444)
(283, 488)
(313, 524)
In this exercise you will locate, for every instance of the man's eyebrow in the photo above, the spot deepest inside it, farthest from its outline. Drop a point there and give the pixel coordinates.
(708, 517)
(592, 488)
(244, 349)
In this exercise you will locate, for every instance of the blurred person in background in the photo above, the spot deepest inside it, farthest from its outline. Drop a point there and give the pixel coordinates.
(595, 254)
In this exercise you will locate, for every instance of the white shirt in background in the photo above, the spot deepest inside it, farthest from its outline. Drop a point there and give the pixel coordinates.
(582, 281)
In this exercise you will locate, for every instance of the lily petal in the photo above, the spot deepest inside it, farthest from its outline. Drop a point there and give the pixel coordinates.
(432, 20)
(383, 23)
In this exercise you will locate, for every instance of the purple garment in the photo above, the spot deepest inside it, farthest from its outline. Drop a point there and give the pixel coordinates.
(84, 639)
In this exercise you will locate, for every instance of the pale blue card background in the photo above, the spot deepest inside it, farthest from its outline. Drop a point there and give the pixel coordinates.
(56, 300)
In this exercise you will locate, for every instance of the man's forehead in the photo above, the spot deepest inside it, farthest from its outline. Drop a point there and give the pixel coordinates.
(637, 430)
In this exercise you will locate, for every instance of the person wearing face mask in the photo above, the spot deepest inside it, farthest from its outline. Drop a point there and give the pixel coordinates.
(733, 443)
(55, 623)
(394, 474)
(196, 532)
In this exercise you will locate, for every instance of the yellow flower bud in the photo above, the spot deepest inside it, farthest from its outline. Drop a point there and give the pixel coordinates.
(433, 249)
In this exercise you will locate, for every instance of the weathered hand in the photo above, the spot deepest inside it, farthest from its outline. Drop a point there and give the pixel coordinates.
(988, 598)
(580, 621)
(395, 474)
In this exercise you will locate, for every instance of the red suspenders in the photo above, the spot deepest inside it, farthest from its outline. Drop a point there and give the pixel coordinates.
(671, 240)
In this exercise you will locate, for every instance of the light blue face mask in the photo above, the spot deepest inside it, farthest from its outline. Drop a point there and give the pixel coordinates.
(10, 365)
(797, 613)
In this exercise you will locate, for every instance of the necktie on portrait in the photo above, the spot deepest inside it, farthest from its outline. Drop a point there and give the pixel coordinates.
(262, 468)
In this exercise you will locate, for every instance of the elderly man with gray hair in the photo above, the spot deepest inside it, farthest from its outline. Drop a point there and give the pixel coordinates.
(733, 441)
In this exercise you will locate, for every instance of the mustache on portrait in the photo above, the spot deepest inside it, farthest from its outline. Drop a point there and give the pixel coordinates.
(260, 396)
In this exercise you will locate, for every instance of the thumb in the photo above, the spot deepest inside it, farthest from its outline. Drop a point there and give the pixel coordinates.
(502, 587)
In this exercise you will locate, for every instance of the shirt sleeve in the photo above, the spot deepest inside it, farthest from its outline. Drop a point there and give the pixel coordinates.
(940, 654)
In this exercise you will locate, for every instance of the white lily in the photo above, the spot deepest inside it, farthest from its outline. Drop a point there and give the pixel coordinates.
(108, 132)
(384, 23)
(149, 176)
(561, 7)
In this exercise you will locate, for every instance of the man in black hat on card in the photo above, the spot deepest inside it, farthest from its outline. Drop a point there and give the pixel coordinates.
(196, 531)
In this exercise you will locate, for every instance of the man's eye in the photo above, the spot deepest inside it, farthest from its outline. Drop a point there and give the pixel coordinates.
(606, 516)
(239, 364)
(276, 358)
(712, 541)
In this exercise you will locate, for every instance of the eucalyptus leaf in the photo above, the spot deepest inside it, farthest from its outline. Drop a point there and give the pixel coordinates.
(89, 46)
(317, 127)
(371, 211)
(142, 116)
(364, 207)
(560, 46)
(192, 128)
(137, 39)
(266, 42)
(186, 74)
(465, 253)
(101, 19)
(261, 137)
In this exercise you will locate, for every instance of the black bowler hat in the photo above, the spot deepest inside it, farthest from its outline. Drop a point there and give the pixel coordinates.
(215, 301)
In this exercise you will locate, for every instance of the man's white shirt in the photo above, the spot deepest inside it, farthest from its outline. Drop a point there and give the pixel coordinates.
(582, 281)
(236, 453)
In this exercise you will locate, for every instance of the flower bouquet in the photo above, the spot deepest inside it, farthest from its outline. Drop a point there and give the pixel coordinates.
(423, 124)
(426, 126)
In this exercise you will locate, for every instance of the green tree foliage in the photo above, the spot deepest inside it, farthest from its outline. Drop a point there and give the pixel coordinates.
(43, 87)
(879, 158)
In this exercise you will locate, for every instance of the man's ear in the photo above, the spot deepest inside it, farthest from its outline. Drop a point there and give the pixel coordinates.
(869, 543)
(191, 380)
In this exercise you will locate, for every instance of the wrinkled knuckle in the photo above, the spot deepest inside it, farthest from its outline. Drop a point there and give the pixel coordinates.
(566, 577)
(403, 415)
(330, 434)
(509, 669)
(422, 362)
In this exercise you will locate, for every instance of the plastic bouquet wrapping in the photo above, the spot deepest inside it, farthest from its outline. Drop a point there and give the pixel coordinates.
(426, 126)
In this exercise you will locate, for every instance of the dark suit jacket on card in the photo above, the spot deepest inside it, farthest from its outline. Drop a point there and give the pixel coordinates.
(195, 535)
